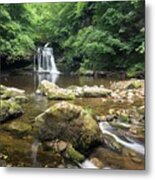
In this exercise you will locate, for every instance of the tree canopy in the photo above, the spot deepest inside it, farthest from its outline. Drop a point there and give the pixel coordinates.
(85, 35)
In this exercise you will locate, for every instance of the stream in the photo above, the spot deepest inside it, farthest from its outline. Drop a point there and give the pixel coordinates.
(120, 150)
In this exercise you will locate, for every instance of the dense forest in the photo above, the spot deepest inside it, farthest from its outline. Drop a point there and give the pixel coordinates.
(84, 35)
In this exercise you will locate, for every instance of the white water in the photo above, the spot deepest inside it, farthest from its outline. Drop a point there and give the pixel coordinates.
(45, 62)
(87, 165)
(133, 146)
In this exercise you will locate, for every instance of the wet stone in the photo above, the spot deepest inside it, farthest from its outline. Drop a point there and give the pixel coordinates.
(97, 162)
(136, 160)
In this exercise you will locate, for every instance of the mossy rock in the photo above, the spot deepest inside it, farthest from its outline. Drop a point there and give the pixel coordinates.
(18, 127)
(53, 92)
(12, 92)
(2, 89)
(96, 91)
(9, 109)
(60, 94)
(21, 99)
(69, 123)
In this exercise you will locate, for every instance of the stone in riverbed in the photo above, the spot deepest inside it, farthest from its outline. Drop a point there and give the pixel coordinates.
(9, 109)
(2, 89)
(95, 91)
(21, 99)
(66, 149)
(70, 123)
(9, 92)
(128, 84)
(18, 127)
(53, 92)
(97, 162)
(90, 91)
(60, 94)
(46, 86)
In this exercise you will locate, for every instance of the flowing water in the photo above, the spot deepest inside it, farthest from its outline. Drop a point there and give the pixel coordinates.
(25, 150)
(44, 61)
(139, 148)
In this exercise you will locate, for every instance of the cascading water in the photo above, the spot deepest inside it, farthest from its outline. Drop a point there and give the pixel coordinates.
(44, 62)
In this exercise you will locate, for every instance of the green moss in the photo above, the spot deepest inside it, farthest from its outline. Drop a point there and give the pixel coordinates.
(9, 109)
(134, 70)
(74, 154)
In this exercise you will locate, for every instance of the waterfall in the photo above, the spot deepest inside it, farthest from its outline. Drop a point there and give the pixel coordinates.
(44, 60)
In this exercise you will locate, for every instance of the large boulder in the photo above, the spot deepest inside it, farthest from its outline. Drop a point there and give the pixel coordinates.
(9, 109)
(70, 123)
(53, 92)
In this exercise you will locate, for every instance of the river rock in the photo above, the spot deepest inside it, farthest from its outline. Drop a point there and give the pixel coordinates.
(66, 149)
(97, 162)
(53, 92)
(128, 84)
(61, 94)
(9, 109)
(9, 92)
(18, 127)
(2, 89)
(95, 91)
(46, 86)
(21, 99)
(90, 91)
(70, 123)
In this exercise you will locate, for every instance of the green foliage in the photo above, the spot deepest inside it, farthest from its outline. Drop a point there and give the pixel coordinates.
(85, 35)
(137, 68)
(16, 38)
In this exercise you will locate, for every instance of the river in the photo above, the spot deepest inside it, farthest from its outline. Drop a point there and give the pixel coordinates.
(25, 151)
